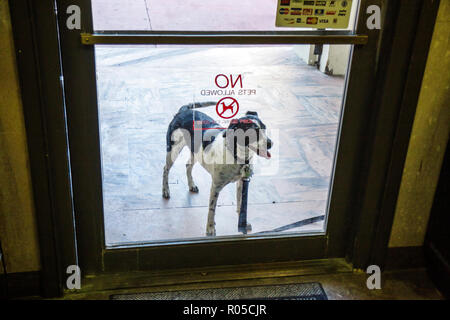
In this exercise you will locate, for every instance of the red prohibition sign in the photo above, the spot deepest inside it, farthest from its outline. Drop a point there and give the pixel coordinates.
(227, 103)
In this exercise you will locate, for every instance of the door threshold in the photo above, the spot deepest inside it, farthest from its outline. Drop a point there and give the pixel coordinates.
(207, 277)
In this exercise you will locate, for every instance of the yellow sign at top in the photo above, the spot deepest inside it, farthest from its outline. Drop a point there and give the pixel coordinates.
(318, 14)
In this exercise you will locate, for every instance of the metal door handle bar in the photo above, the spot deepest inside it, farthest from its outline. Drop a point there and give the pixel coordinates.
(224, 38)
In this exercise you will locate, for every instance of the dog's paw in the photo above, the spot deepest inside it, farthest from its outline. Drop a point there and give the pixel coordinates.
(166, 194)
(193, 189)
(211, 232)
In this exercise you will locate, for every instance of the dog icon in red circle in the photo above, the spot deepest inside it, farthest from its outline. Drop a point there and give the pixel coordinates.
(227, 107)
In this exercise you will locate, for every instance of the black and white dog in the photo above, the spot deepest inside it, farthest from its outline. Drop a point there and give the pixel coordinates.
(224, 153)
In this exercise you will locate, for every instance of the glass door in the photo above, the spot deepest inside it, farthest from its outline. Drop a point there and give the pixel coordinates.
(173, 108)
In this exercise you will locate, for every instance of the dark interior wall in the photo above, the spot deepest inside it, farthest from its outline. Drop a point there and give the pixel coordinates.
(18, 231)
(428, 142)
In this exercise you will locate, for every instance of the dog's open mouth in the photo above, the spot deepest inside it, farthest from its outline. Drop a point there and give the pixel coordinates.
(262, 153)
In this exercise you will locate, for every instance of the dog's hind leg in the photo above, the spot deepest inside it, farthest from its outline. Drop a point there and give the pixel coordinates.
(189, 166)
(170, 159)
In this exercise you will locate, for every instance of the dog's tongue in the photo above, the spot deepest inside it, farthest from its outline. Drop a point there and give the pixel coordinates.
(267, 155)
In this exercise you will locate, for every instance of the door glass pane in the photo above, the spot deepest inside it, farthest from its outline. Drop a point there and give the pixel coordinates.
(297, 93)
(198, 15)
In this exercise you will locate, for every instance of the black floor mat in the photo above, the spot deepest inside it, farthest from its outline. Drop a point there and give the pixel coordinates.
(301, 291)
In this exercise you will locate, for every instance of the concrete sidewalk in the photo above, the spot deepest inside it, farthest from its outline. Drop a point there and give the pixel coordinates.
(187, 15)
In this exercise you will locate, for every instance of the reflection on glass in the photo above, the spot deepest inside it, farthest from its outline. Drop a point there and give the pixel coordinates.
(141, 89)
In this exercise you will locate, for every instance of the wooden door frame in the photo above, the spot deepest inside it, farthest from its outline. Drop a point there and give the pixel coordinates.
(398, 74)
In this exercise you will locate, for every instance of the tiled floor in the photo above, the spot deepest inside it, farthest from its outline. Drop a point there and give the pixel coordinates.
(139, 91)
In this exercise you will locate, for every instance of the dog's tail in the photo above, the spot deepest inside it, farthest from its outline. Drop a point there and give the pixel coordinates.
(197, 105)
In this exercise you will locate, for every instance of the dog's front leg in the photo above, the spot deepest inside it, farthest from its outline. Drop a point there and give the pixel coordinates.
(239, 184)
(214, 195)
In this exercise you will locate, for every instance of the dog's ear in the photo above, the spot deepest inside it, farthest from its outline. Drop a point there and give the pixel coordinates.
(233, 125)
(251, 113)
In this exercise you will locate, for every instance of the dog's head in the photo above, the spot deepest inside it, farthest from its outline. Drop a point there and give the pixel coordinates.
(249, 134)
